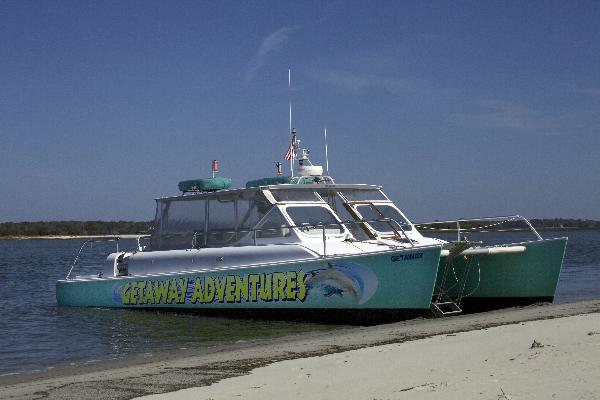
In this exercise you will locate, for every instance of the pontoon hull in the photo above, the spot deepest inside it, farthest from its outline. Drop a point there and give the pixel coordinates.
(506, 279)
(401, 280)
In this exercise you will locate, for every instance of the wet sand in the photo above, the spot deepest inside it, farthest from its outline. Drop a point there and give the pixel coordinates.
(496, 357)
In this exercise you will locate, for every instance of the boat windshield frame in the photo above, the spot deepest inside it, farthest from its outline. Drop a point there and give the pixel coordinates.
(262, 200)
(407, 226)
(315, 228)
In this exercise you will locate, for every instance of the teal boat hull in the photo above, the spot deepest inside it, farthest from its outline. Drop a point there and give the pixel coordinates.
(390, 280)
(506, 279)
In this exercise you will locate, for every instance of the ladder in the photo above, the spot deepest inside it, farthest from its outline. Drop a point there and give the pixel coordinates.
(443, 304)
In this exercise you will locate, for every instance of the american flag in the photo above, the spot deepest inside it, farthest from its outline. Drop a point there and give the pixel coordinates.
(290, 152)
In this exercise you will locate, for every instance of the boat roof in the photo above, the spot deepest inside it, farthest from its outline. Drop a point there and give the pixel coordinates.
(286, 186)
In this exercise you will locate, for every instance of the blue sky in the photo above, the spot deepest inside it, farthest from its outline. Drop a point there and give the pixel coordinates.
(459, 109)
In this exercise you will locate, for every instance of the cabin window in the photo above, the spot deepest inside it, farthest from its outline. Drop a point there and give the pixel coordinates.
(294, 195)
(213, 222)
(379, 211)
(230, 220)
(251, 212)
(274, 226)
(176, 222)
(363, 194)
(310, 220)
(185, 216)
(247, 216)
(221, 222)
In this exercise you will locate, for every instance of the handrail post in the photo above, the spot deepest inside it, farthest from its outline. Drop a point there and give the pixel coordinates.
(91, 240)
(458, 229)
(324, 241)
(404, 233)
(76, 258)
(531, 226)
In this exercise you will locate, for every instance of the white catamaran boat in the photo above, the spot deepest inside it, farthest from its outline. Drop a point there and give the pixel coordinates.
(306, 246)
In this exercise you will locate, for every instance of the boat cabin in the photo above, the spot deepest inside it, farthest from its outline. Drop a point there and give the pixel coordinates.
(276, 214)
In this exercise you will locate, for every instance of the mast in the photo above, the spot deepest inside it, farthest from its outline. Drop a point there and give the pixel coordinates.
(291, 133)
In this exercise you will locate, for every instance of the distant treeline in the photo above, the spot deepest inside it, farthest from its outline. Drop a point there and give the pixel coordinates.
(93, 228)
(74, 228)
(564, 223)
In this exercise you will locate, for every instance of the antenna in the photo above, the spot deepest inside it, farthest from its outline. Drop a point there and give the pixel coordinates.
(326, 155)
(291, 133)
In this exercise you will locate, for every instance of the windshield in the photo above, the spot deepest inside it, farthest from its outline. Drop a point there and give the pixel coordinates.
(363, 194)
(379, 211)
(310, 219)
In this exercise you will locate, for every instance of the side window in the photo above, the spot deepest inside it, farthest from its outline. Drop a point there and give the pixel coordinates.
(273, 226)
(180, 220)
(221, 222)
(251, 212)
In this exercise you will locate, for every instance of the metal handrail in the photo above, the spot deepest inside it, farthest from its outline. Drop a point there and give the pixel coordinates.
(254, 231)
(459, 228)
(323, 226)
(90, 241)
(139, 239)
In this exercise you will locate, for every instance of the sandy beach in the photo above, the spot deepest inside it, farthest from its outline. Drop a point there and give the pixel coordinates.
(544, 351)
(70, 237)
(531, 360)
(558, 358)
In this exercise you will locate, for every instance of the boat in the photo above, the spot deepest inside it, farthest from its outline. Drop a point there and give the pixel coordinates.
(279, 247)
(303, 245)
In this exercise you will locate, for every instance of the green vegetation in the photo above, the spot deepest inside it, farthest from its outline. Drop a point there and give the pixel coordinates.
(564, 223)
(539, 224)
(74, 228)
(97, 228)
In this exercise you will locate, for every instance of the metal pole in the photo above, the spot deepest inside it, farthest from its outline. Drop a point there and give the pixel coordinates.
(326, 155)
(531, 226)
(291, 135)
(324, 242)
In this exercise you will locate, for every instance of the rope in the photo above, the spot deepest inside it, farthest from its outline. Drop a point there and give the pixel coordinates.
(478, 279)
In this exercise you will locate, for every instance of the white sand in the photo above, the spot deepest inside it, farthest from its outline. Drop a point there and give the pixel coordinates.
(493, 363)
(69, 237)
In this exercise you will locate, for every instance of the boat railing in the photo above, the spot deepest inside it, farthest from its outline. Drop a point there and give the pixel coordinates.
(200, 238)
(142, 243)
(90, 242)
(476, 226)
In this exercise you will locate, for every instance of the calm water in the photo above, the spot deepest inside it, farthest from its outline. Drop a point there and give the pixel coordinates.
(36, 334)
